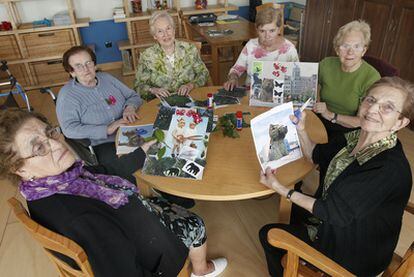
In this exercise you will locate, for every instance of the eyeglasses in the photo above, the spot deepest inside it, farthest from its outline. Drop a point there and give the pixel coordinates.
(82, 67)
(163, 32)
(384, 108)
(42, 148)
(355, 47)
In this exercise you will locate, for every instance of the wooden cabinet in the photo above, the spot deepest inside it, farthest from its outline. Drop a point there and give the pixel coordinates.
(139, 36)
(34, 54)
(391, 21)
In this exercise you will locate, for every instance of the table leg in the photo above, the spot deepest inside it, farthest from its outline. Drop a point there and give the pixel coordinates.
(215, 65)
(284, 210)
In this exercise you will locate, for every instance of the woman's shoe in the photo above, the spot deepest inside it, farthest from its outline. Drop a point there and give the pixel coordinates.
(219, 265)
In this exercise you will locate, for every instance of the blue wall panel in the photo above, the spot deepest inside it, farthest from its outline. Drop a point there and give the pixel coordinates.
(100, 32)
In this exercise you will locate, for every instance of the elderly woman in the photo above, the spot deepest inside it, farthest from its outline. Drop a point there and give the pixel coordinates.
(93, 105)
(269, 46)
(122, 233)
(169, 66)
(355, 216)
(345, 79)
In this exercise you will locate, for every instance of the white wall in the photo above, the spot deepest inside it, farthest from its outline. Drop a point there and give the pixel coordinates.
(95, 9)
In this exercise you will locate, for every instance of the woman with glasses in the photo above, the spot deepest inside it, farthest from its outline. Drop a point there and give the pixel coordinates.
(170, 65)
(93, 105)
(122, 233)
(355, 216)
(345, 79)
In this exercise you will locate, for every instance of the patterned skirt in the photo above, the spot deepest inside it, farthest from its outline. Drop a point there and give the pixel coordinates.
(187, 226)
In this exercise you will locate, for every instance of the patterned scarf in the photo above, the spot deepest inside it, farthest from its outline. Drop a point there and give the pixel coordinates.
(112, 190)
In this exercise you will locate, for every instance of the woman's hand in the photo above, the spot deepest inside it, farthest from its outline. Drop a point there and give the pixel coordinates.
(320, 107)
(115, 125)
(160, 92)
(147, 145)
(299, 120)
(232, 83)
(185, 89)
(130, 114)
(268, 179)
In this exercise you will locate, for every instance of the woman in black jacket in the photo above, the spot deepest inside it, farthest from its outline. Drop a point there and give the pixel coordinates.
(122, 233)
(365, 182)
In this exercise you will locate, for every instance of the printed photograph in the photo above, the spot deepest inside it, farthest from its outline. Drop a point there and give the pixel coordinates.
(130, 138)
(275, 137)
(183, 135)
(275, 83)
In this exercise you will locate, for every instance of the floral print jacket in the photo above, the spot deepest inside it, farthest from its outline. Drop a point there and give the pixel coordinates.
(155, 70)
(253, 51)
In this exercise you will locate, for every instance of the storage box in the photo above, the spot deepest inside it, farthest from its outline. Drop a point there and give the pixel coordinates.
(9, 49)
(49, 72)
(46, 44)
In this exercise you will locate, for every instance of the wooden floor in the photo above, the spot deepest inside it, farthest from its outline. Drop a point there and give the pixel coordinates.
(232, 226)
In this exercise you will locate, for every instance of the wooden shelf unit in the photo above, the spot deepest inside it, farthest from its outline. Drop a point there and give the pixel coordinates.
(139, 36)
(34, 54)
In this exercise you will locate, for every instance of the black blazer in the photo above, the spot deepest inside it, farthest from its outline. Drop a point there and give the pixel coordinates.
(362, 214)
(128, 241)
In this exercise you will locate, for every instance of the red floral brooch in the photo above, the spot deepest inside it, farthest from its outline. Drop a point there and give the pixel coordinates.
(111, 100)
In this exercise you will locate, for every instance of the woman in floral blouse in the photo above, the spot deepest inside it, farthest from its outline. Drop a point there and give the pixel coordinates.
(169, 66)
(269, 46)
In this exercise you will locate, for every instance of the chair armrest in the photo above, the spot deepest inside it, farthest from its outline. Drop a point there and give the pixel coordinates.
(284, 240)
(409, 208)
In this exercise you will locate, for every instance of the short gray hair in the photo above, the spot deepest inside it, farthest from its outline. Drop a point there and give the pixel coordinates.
(158, 15)
(356, 26)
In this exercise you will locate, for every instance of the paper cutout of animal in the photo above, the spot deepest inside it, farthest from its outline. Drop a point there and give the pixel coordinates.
(172, 172)
(266, 92)
(278, 91)
(134, 139)
(256, 86)
(277, 146)
(192, 168)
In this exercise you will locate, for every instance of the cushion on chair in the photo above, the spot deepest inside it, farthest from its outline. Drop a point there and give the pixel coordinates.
(384, 68)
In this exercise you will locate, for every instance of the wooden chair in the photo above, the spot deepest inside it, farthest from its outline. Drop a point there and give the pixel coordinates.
(205, 49)
(298, 252)
(53, 242)
(278, 7)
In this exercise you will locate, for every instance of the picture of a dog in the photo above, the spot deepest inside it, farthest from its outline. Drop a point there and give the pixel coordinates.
(266, 92)
(277, 146)
(134, 140)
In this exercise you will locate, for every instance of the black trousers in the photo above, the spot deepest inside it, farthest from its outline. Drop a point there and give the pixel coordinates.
(296, 227)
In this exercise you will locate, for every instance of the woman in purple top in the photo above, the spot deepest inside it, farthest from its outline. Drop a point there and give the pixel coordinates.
(122, 233)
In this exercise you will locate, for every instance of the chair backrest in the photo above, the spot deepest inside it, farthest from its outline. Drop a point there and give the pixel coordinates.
(186, 28)
(384, 68)
(279, 7)
(51, 241)
(297, 249)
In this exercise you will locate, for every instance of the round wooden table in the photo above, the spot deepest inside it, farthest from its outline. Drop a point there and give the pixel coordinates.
(232, 170)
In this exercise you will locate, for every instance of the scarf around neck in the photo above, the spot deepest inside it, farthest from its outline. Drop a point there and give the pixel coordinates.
(112, 190)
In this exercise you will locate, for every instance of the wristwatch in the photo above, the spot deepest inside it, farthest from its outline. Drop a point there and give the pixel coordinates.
(333, 120)
(289, 194)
